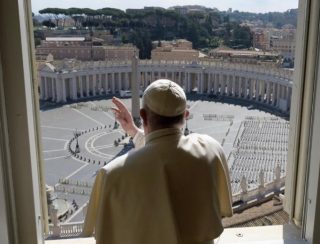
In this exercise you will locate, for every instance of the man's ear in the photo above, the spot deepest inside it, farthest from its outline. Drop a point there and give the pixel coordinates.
(186, 114)
(143, 115)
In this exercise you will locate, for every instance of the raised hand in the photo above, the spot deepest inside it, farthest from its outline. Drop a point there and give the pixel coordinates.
(124, 117)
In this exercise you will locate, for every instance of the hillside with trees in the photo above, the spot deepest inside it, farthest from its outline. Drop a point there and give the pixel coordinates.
(205, 30)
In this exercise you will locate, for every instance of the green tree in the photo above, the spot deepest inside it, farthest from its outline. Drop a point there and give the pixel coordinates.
(48, 23)
(54, 13)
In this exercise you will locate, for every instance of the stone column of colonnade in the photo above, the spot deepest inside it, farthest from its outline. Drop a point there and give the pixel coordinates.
(54, 89)
(74, 88)
(93, 84)
(99, 83)
(113, 83)
(179, 82)
(43, 88)
(121, 81)
(257, 89)
(189, 82)
(60, 87)
(268, 92)
(228, 85)
(79, 86)
(209, 83)
(199, 83)
(106, 86)
(127, 82)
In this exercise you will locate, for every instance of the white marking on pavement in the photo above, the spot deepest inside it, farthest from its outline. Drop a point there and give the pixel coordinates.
(56, 150)
(107, 114)
(46, 159)
(87, 116)
(58, 128)
(195, 104)
(75, 213)
(55, 139)
(98, 153)
(207, 127)
(73, 173)
(104, 146)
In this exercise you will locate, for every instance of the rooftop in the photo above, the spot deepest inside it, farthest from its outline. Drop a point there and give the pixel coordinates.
(65, 39)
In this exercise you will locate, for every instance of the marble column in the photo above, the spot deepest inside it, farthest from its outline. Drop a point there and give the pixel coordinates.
(42, 88)
(63, 86)
(113, 84)
(100, 84)
(274, 93)
(251, 88)
(58, 89)
(236, 86)
(199, 84)
(278, 94)
(74, 88)
(248, 88)
(257, 90)
(209, 88)
(289, 96)
(106, 83)
(45, 88)
(268, 92)
(282, 92)
(189, 85)
(221, 82)
(54, 89)
(127, 82)
(239, 85)
(263, 90)
(87, 86)
(233, 90)
(79, 78)
(216, 84)
(120, 87)
(94, 84)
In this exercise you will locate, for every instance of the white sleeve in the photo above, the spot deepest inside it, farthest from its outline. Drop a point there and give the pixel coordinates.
(138, 139)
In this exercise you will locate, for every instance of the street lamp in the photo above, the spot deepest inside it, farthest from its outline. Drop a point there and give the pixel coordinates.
(76, 135)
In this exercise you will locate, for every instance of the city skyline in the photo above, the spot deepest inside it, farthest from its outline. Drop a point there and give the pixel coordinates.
(256, 6)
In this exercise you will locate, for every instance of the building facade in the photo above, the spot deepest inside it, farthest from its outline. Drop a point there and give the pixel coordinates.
(82, 49)
(244, 56)
(282, 41)
(73, 80)
(176, 50)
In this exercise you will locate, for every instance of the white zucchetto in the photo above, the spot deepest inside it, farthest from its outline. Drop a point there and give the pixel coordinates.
(165, 97)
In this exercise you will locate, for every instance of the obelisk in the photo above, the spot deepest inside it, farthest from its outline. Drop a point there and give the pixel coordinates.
(135, 89)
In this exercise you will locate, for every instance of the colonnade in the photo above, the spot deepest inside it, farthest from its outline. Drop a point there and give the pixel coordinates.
(60, 88)
(271, 86)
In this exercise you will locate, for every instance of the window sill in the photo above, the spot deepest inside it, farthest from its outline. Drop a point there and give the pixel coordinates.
(276, 234)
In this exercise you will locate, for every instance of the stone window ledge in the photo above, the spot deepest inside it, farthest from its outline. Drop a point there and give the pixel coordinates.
(276, 234)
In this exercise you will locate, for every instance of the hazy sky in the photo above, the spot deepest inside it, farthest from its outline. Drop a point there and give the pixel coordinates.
(261, 6)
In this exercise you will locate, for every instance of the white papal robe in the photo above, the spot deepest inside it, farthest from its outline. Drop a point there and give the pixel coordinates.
(173, 190)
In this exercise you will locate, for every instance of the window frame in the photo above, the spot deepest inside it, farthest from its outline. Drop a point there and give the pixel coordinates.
(25, 187)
